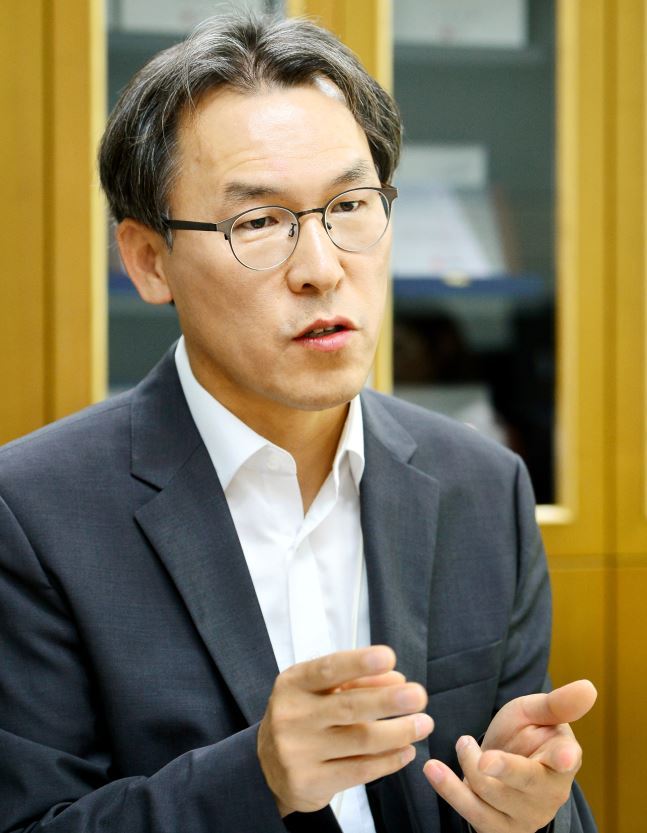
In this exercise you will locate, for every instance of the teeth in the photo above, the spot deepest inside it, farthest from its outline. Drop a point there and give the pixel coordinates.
(321, 330)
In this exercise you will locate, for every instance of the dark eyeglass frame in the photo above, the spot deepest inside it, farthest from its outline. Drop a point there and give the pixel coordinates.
(389, 192)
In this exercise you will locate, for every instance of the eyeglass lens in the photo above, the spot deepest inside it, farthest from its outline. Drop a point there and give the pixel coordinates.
(265, 237)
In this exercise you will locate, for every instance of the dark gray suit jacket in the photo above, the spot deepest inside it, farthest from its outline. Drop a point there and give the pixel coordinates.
(134, 661)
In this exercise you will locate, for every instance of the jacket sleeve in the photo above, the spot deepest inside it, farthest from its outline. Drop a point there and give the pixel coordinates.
(55, 757)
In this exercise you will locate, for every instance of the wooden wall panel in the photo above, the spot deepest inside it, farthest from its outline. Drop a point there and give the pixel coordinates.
(22, 149)
(77, 265)
(629, 285)
(582, 636)
(578, 523)
(53, 315)
(628, 294)
(630, 724)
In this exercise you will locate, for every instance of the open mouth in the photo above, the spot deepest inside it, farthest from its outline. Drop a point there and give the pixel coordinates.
(324, 328)
(320, 332)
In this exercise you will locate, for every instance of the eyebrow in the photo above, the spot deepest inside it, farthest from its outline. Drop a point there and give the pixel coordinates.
(235, 192)
(238, 191)
(356, 173)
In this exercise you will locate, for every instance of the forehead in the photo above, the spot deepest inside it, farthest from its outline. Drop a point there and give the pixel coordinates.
(286, 138)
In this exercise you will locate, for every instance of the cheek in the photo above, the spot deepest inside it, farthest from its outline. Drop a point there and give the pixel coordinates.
(371, 280)
(229, 317)
(205, 287)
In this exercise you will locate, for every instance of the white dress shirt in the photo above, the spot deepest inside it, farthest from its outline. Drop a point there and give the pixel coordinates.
(308, 571)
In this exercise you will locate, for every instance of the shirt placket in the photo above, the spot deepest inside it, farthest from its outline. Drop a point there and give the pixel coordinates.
(308, 622)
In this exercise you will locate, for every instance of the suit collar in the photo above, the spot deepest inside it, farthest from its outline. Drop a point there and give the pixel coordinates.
(163, 434)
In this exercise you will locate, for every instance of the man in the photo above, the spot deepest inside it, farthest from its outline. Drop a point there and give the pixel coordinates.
(217, 587)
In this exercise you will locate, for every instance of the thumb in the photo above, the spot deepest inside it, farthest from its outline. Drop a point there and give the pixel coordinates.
(563, 705)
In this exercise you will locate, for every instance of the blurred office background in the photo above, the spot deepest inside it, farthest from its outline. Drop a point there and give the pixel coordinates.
(518, 271)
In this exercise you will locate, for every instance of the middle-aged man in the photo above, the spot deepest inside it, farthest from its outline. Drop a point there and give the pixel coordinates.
(215, 588)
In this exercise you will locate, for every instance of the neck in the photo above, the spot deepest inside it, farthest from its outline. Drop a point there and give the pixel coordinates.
(311, 437)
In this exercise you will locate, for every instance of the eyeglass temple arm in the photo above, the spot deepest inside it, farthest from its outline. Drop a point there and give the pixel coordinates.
(187, 224)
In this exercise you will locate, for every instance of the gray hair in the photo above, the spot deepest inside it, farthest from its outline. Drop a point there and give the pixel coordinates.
(138, 159)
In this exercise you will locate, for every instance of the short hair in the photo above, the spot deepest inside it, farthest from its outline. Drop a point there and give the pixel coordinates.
(138, 159)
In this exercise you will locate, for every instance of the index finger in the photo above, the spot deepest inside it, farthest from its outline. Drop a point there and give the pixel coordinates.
(330, 671)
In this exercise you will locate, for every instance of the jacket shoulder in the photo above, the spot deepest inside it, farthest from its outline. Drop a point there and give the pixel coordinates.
(72, 442)
(443, 444)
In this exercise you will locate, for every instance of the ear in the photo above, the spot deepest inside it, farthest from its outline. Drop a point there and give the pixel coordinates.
(142, 250)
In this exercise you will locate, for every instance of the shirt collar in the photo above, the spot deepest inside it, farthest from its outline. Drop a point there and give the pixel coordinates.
(231, 443)
(351, 444)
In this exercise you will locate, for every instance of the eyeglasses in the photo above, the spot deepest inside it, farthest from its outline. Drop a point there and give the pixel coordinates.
(264, 238)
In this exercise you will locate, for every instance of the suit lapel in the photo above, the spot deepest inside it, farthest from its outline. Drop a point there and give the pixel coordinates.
(399, 507)
(190, 527)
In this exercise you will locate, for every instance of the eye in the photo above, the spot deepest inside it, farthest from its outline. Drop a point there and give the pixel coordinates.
(347, 206)
(258, 223)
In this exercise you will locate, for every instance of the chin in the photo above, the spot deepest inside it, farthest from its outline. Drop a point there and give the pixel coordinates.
(325, 397)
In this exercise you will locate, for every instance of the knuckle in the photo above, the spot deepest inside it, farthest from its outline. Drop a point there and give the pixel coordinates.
(284, 681)
(325, 670)
(411, 731)
(363, 738)
(487, 789)
(392, 762)
(281, 716)
(578, 758)
(347, 709)
(528, 781)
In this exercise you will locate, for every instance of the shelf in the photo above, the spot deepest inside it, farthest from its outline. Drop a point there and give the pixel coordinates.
(514, 287)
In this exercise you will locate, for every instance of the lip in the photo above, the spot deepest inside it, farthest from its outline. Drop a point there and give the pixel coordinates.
(330, 342)
(322, 324)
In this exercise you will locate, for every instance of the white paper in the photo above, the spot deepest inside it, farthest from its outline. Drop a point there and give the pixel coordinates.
(480, 23)
(441, 233)
(456, 166)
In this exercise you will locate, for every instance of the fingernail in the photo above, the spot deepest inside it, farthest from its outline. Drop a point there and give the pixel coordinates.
(408, 698)
(463, 743)
(423, 726)
(434, 772)
(408, 755)
(378, 659)
(494, 768)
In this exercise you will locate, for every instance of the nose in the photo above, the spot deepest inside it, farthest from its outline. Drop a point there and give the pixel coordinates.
(314, 266)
